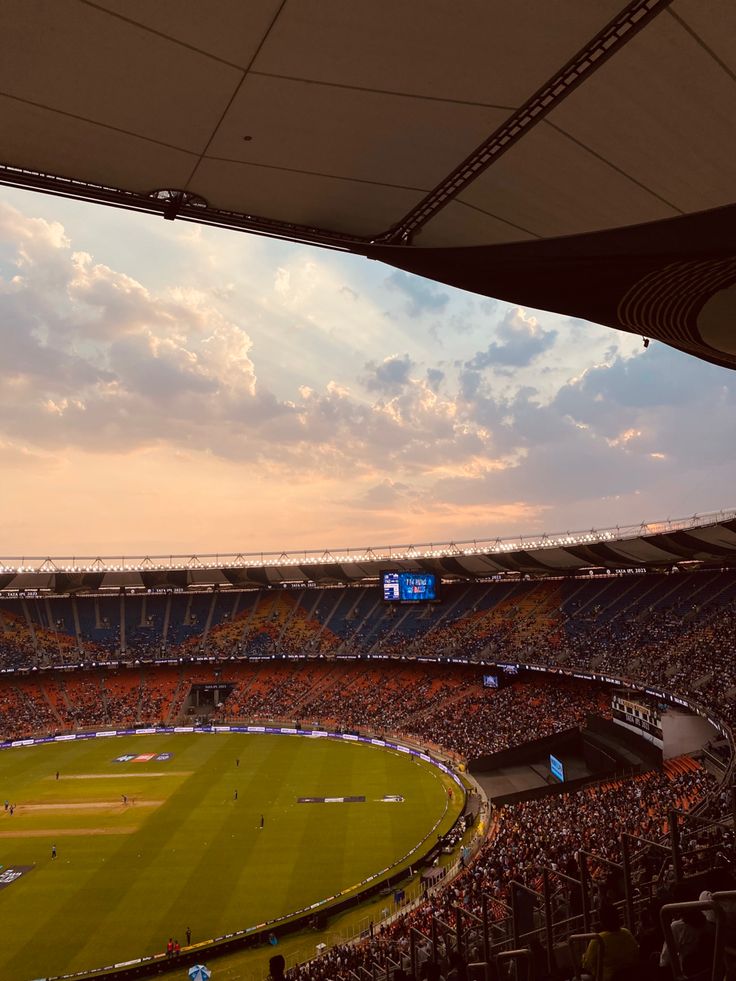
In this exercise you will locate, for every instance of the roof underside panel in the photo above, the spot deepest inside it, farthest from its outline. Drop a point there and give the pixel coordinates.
(575, 190)
(230, 32)
(721, 535)
(45, 140)
(337, 121)
(643, 551)
(350, 207)
(489, 52)
(350, 135)
(667, 87)
(689, 546)
(391, 95)
(75, 59)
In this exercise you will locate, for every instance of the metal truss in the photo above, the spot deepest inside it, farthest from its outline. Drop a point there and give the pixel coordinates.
(615, 34)
(173, 203)
(357, 555)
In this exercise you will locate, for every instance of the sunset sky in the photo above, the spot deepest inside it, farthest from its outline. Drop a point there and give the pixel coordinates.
(166, 388)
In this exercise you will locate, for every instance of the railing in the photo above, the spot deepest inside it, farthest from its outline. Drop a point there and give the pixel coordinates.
(553, 920)
(553, 908)
(714, 908)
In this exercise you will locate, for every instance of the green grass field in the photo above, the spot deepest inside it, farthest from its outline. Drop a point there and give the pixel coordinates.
(186, 853)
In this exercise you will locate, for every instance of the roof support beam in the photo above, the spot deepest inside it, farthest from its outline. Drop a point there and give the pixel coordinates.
(626, 25)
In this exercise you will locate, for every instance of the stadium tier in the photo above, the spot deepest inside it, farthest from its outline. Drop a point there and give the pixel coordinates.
(343, 658)
(673, 629)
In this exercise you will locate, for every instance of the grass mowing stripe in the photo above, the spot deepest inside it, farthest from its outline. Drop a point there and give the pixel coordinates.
(204, 805)
(55, 919)
(317, 853)
(253, 962)
(99, 902)
(213, 881)
(262, 888)
(106, 877)
(158, 863)
(51, 833)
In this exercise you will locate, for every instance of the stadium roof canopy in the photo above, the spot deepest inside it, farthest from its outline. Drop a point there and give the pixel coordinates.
(571, 156)
(703, 540)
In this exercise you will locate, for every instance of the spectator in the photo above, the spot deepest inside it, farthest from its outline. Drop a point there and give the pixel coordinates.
(612, 955)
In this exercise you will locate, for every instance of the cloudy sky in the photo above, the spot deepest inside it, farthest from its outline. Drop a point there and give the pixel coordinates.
(166, 388)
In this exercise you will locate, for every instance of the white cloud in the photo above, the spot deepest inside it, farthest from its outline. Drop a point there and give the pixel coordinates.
(521, 339)
(389, 375)
(278, 368)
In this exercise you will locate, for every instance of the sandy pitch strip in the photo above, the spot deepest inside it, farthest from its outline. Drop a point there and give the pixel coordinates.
(95, 805)
(128, 775)
(67, 832)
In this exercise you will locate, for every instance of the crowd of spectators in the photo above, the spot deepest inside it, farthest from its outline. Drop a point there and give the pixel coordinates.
(527, 838)
(683, 646)
(687, 650)
(59, 703)
(272, 692)
(17, 652)
(378, 697)
(24, 711)
(485, 722)
(446, 707)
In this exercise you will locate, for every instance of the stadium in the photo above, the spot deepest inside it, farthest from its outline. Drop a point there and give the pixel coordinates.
(619, 670)
(487, 758)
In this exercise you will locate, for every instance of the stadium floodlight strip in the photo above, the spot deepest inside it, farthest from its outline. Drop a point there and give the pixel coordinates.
(36, 565)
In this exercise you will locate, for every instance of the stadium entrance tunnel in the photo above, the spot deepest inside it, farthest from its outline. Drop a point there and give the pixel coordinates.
(204, 699)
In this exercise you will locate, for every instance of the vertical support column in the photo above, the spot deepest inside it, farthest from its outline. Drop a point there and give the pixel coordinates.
(77, 628)
(628, 885)
(486, 933)
(210, 614)
(585, 895)
(167, 617)
(514, 918)
(122, 622)
(549, 934)
(675, 844)
(29, 623)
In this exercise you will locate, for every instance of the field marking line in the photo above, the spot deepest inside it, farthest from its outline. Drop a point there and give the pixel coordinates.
(127, 775)
(67, 832)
